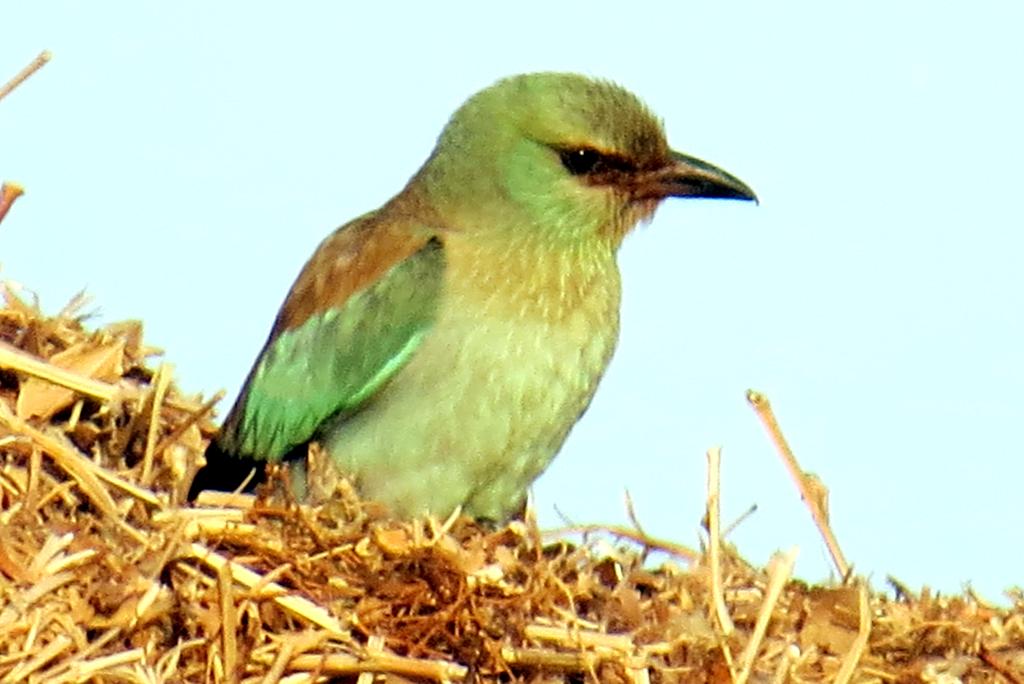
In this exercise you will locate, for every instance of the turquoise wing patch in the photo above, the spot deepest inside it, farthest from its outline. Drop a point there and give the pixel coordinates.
(336, 361)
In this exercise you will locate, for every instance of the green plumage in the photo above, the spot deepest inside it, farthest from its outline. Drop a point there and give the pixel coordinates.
(441, 348)
(332, 363)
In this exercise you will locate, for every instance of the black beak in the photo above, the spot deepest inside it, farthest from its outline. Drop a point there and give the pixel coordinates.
(688, 176)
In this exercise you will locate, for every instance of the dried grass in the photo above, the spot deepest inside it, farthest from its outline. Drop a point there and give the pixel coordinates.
(106, 576)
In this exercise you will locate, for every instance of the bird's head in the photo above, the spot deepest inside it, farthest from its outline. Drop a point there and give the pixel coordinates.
(569, 156)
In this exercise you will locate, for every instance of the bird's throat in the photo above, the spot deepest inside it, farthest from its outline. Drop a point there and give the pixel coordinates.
(536, 279)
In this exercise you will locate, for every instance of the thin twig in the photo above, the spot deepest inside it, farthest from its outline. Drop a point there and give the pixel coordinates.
(161, 383)
(739, 521)
(8, 193)
(559, 661)
(853, 656)
(1002, 668)
(228, 622)
(342, 664)
(715, 542)
(19, 78)
(296, 605)
(580, 638)
(16, 360)
(781, 674)
(193, 418)
(81, 669)
(277, 668)
(803, 481)
(780, 568)
(631, 514)
(684, 552)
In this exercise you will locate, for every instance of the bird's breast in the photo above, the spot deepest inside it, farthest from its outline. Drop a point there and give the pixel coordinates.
(491, 394)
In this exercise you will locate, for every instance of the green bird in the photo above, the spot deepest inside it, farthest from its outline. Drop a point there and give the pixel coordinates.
(441, 347)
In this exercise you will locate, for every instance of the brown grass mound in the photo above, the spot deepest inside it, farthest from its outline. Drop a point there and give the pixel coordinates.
(106, 576)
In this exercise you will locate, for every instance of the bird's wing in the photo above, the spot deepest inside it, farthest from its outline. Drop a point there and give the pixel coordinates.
(354, 316)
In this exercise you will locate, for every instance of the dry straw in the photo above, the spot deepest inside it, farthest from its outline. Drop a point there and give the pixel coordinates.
(107, 576)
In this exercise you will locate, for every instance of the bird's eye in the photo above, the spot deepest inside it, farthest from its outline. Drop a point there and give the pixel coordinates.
(579, 161)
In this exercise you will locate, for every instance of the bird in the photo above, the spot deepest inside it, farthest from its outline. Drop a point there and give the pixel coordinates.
(441, 347)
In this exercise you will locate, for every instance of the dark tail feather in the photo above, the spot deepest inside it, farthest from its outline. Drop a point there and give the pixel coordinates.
(225, 472)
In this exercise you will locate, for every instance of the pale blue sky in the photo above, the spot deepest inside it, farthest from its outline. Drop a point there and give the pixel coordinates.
(182, 163)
